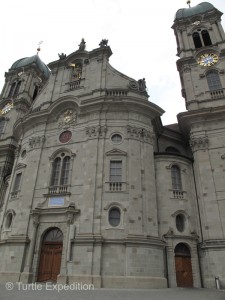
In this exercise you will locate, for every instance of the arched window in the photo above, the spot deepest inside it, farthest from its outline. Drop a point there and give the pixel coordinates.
(206, 38)
(182, 250)
(53, 235)
(201, 40)
(180, 222)
(197, 40)
(35, 92)
(8, 221)
(213, 80)
(60, 170)
(176, 178)
(11, 92)
(17, 89)
(65, 171)
(114, 216)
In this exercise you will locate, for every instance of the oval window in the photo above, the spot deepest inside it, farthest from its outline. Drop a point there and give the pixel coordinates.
(8, 222)
(23, 154)
(180, 222)
(116, 138)
(114, 216)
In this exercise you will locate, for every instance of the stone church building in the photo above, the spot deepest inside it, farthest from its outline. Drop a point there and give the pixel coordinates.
(94, 189)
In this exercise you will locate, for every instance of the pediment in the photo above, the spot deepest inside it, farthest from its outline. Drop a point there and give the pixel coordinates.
(20, 166)
(116, 152)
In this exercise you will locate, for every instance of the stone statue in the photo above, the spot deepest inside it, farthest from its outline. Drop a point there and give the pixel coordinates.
(142, 85)
(82, 45)
(103, 43)
(62, 56)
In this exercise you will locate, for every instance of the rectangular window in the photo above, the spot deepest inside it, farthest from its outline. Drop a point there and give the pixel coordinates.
(17, 183)
(115, 171)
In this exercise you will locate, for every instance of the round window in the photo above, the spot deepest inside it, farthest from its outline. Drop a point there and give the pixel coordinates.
(65, 136)
(116, 138)
(114, 216)
(180, 222)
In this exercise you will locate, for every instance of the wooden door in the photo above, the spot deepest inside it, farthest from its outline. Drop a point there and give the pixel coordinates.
(184, 271)
(50, 261)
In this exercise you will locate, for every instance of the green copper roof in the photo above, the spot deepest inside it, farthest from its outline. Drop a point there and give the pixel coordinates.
(23, 62)
(192, 11)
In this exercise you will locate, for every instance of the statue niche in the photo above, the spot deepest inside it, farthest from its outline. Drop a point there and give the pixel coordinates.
(76, 71)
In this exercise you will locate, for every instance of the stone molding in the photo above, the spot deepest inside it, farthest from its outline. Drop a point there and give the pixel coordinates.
(140, 134)
(36, 141)
(96, 131)
(199, 143)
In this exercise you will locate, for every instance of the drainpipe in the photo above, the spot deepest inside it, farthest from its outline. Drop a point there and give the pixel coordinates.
(200, 223)
(166, 266)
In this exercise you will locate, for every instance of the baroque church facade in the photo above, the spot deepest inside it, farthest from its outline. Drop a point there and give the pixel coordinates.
(94, 189)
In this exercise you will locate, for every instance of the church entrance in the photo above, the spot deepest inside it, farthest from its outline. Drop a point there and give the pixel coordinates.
(51, 253)
(183, 266)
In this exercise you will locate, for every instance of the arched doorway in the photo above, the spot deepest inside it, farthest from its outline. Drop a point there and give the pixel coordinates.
(183, 266)
(51, 253)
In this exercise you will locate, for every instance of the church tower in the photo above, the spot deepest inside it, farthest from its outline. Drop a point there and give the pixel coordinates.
(23, 83)
(201, 50)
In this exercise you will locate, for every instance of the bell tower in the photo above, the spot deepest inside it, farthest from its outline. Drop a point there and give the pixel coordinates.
(201, 64)
(23, 83)
(201, 51)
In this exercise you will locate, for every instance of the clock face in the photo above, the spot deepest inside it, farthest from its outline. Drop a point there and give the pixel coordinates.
(6, 108)
(208, 59)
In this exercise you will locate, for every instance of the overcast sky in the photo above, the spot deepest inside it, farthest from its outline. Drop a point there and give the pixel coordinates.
(139, 34)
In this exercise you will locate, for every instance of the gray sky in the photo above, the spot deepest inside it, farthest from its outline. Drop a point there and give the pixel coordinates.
(139, 34)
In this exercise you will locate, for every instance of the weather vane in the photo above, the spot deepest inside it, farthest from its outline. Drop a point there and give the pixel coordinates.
(189, 3)
(39, 48)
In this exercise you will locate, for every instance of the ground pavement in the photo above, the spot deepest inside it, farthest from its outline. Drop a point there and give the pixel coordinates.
(18, 291)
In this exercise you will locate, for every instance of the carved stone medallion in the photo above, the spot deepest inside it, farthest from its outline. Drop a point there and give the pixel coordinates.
(67, 119)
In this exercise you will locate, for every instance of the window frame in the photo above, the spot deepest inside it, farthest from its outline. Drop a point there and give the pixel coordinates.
(213, 80)
(111, 223)
(204, 39)
(59, 180)
(176, 178)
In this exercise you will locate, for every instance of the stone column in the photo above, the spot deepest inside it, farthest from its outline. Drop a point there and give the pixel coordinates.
(28, 266)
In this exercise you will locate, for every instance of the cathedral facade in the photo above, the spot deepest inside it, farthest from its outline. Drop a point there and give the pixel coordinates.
(94, 189)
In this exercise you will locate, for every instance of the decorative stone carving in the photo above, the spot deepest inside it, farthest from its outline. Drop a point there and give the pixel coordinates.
(36, 142)
(142, 85)
(186, 69)
(103, 43)
(17, 151)
(67, 119)
(199, 143)
(82, 45)
(96, 131)
(140, 134)
(133, 85)
(62, 56)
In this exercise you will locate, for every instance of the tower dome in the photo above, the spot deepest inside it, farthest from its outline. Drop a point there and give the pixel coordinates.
(23, 62)
(192, 11)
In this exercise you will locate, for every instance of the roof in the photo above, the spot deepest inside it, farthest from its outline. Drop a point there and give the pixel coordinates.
(26, 61)
(192, 11)
(174, 127)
